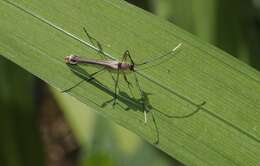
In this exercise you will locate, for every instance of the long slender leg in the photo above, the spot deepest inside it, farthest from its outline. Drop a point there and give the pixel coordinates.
(116, 86)
(127, 54)
(92, 40)
(156, 129)
(129, 85)
(143, 100)
(126, 80)
(142, 97)
(90, 77)
(74, 86)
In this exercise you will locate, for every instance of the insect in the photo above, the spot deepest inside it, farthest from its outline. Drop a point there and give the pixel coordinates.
(120, 67)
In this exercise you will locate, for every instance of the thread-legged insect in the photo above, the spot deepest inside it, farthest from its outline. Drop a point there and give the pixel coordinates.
(119, 66)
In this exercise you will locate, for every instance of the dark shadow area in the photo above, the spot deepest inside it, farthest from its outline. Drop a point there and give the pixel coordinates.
(61, 146)
(253, 39)
(229, 27)
(238, 25)
(20, 139)
(144, 4)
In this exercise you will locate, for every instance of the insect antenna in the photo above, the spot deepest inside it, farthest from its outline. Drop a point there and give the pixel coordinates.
(158, 58)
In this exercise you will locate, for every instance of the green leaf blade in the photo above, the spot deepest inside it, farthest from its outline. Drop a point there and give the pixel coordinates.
(37, 36)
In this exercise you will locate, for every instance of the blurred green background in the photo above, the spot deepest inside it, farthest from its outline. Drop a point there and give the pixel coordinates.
(40, 126)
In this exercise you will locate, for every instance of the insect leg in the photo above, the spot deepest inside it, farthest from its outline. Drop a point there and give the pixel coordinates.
(92, 40)
(128, 83)
(116, 86)
(156, 129)
(142, 97)
(127, 54)
(90, 77)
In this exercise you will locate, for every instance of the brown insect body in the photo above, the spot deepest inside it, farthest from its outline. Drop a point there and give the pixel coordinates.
(112, 64)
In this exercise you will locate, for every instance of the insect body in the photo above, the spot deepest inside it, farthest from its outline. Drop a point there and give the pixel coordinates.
(112, 64)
